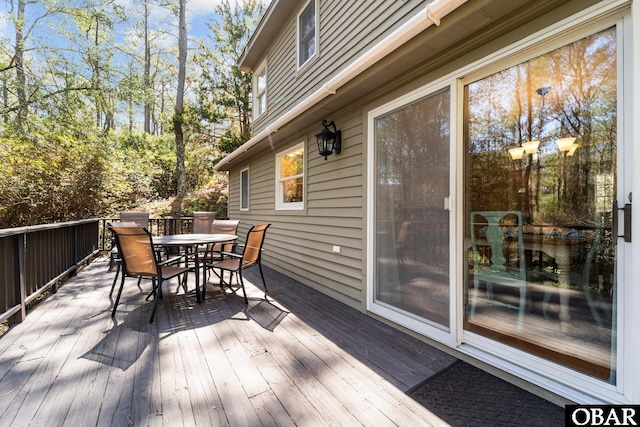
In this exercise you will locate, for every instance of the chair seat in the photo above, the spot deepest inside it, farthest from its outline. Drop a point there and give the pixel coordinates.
(230, 264)
(169, 271)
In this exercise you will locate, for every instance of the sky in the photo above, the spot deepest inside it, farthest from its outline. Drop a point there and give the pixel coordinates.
(199, 12)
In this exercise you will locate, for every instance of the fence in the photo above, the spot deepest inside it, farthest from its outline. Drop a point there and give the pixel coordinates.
(38, 258)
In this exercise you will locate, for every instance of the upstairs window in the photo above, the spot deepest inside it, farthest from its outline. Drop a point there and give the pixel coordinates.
(290, 178)
(307, 33)
(260, 91)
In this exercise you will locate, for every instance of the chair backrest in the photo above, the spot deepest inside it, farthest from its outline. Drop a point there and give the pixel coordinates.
(140, 218)
(225, 226)
(500, 231)
(136, 251)
(253, 245)
(202, 222)
(403, 233)
(122, 224)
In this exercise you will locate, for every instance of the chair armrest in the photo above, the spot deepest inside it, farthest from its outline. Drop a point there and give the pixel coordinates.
(231, 254)
(174, 260)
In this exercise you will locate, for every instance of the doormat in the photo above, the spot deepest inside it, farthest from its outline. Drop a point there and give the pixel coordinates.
(463, 395)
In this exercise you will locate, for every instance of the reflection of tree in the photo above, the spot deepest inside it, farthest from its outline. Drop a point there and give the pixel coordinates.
(504, 111)
(412, 157)
(291, 166)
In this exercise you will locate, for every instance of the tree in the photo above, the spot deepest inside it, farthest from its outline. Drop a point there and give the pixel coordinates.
(178, 117)
(223, 90)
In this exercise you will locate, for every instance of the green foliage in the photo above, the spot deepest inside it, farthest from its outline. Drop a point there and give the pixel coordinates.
(69, 148)
(55, 178)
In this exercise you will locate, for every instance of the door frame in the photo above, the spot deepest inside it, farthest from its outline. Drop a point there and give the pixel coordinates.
(549, 375)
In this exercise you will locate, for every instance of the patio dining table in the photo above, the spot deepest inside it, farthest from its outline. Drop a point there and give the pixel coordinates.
(191, 242)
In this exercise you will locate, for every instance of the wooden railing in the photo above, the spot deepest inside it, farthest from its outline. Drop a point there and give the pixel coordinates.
(36, 259)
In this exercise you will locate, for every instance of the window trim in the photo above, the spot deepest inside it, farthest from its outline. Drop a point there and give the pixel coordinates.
(279, 203)
(316, 34)
(244, 200)
(256, 93)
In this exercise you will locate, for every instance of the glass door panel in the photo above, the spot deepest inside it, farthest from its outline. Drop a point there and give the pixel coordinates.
(540, 184)
(411, 222)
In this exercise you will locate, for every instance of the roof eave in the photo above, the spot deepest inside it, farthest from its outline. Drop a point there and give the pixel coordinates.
(269, 27)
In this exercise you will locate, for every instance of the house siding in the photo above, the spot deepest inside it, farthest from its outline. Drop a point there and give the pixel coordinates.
(365, 22)
(300, 243)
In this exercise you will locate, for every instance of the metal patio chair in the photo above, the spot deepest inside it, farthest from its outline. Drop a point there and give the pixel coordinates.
(251, 255)
(139, 259)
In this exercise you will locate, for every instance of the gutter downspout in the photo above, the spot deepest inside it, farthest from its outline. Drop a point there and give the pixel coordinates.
(431, 14)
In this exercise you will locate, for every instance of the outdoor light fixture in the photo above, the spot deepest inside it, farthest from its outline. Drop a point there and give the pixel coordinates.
(517, 152)
(328, 140)
(564, 144)
(530, 146)
(572, 150)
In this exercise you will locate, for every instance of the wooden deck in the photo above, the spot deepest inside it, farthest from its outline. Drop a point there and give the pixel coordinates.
(300, 359)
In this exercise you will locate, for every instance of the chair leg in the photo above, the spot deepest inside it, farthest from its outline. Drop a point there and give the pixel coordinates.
(523, 305)
(155, 300)
(115, 303)
(474, 297)
(244, 292)
(264, 283)
(115, 279)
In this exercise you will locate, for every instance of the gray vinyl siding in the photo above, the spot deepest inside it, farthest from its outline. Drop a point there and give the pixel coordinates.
(365, 22)
(300, 243)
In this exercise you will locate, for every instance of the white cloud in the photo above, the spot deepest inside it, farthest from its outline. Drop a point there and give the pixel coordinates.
(202, 7)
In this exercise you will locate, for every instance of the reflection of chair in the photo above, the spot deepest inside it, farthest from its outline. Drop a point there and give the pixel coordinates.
(401, 241)
(139, 260)
(584, 277)
(250, 256)
(498, 256)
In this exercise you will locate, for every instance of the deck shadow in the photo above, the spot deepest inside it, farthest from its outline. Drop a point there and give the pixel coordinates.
(266, 314)
(120, 348)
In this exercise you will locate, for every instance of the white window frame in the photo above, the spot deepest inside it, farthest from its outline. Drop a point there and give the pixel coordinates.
(259, 94)
(244, 182)
(422, 326)
(316, 35)
(280, 204)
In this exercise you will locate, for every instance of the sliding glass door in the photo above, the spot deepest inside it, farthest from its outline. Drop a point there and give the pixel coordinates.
(411, 223)
(540, 142)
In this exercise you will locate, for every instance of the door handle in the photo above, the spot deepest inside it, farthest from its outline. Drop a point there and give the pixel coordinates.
(626, 234)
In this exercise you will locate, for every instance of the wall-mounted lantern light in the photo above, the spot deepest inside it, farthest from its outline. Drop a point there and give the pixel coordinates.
(328, 140)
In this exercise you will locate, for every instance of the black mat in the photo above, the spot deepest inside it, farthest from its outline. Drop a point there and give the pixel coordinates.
(463, 395)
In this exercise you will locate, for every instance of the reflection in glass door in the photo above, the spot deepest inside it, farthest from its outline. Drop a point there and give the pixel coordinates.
(540, 182)
(411, 222)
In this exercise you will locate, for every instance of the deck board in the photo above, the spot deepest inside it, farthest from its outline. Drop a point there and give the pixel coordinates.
(301, 358)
